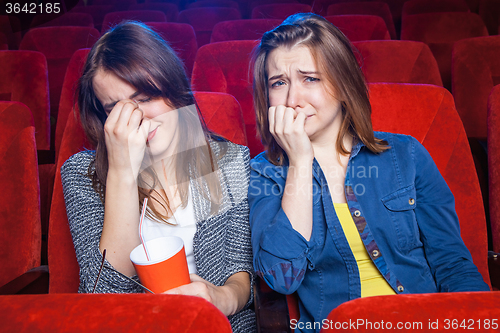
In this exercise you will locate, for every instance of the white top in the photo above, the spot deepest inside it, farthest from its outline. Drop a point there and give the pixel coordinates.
(183, 226)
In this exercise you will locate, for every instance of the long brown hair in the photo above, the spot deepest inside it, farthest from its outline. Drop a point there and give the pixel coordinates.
(139, 56)
(334, 55)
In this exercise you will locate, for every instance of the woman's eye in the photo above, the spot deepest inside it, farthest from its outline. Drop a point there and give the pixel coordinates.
(277, 84)
(144, 100)
(311, 79)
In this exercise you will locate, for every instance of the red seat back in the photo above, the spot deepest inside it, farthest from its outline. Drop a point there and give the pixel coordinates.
(11, 27)
(361, 27)
(224, 67)
(204, 19)
(214, 3)
(169, 9)
(489, 10)
(493, 164)
(475, 71)
(398, 62)
(182, 38)
(20, 208)
(440, 31)
(97, 13)
(279, 11)
(242, 29)
(412, 7)
(222, 115)
(66, 19)
(365, 8)
(428, 113)
(23, 78)
(58, 45)
(68, 93)
(113, 18)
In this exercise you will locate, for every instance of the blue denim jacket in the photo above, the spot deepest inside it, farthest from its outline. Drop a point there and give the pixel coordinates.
(405, 215)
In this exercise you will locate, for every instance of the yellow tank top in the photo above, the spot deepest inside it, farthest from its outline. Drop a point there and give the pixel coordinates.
(372, 282)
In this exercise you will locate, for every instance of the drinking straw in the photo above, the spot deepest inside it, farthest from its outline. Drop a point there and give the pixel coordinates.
(143, 212)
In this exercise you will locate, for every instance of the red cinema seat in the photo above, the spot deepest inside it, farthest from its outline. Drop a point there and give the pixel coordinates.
(279, 11)
(204, 19)
(118, 5)
(20, 210)
(97, 13)
(23, 78)
(224, 67)
(11, 27)
(80, 313)
(428, 113)
(248, 6)
(365, 8)
(475, 70)
(440, 31)
(4, 43)
(361, 27)
(66, 19)
(489, 10)
(398, 61)
(58, 45)
(169, 9)
(441, 312)
(182, 38)
(177, 2)
(214, 3)
(242, 29)
(222, 115)
(493, 164)
(412, 7)
(113, 18)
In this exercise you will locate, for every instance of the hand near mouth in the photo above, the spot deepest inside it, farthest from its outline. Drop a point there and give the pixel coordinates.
(287, 126)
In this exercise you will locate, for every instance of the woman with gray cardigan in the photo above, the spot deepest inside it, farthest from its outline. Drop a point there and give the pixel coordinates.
(138, 111)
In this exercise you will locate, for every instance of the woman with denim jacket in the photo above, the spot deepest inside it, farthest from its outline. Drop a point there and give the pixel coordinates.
(338, 211)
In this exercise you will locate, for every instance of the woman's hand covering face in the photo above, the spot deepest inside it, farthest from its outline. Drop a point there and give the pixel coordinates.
(126, 132)
(288, 128)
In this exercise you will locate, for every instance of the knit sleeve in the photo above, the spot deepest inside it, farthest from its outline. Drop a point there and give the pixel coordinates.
(86, 217)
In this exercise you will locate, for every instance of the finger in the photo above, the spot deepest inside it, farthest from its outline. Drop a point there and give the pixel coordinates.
(127, 108)
(136, 118)
(300, 120)
(280, 113)
(271, 119)
(288, 120)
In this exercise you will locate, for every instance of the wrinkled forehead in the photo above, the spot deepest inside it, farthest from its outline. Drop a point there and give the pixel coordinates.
(286, 60)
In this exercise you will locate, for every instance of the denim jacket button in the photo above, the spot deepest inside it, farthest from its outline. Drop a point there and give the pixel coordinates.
(411, 201)
(401, 288)
(375, 253)
(357, 213)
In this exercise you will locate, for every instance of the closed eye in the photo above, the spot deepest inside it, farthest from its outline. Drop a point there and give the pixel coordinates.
(144, 100)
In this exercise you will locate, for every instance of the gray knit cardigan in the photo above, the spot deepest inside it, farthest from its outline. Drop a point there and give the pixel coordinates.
(221, 243)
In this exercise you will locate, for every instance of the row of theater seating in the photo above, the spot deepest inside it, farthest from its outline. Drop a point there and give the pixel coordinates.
(426, 112)
(183, 39)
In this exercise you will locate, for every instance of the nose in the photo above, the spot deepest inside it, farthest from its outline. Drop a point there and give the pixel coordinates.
(295, 97)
